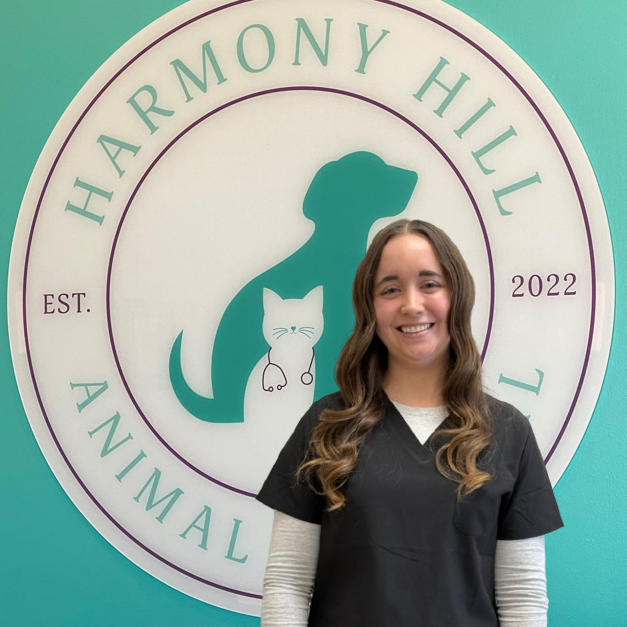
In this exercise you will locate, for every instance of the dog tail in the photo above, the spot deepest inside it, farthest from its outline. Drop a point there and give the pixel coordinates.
(206, 409)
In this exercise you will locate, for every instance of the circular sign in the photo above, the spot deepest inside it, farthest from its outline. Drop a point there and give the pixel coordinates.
(181, 270)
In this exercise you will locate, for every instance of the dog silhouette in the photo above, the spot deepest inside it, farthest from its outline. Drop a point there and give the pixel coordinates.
(344, 199)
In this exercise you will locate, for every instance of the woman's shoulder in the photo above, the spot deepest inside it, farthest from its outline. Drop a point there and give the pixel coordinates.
(332, 401)
(301, 437)
(512, 433)
(506, 419)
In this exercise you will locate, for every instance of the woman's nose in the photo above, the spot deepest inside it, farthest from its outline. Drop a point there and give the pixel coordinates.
(413, 302)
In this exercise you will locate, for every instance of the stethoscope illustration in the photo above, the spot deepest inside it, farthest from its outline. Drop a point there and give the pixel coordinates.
(306, 378)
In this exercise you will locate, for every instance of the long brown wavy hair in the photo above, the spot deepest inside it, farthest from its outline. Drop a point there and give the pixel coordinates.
(359, 372)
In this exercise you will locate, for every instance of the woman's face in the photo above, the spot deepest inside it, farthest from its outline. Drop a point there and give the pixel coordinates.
(411, 302)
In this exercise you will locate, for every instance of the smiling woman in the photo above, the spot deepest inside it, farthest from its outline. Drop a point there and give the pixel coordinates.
(398, 493)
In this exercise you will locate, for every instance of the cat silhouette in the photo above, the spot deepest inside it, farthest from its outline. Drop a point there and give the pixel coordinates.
(291, 356)
(280, 387)
(343, 200)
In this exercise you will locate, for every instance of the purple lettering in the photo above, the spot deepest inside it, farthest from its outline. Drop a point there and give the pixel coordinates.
(47, 303)
(78, 300)
(63, 302)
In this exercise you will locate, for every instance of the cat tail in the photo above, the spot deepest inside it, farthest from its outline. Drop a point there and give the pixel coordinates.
(203, 408)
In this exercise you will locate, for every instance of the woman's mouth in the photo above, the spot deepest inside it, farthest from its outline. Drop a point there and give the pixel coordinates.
(415, 329)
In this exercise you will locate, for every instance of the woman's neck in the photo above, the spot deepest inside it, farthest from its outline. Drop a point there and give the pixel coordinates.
(415, 388)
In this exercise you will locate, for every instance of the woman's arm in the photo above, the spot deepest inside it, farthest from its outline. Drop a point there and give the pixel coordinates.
(290, 573)
(520, 583)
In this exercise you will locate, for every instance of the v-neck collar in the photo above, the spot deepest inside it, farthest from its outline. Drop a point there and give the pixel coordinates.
(408, 437)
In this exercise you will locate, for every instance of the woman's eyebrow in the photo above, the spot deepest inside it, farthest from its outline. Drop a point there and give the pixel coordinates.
(422, 273)
(385, 279)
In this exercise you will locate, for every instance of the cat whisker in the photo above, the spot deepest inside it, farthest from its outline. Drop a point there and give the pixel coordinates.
(279, 330)
(280, 335)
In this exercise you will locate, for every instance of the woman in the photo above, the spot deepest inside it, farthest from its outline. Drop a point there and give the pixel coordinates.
(411, 496)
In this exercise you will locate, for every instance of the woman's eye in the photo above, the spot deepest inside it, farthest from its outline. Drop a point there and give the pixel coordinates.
(389, 290)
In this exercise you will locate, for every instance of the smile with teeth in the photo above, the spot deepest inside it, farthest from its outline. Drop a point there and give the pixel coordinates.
(416, 328)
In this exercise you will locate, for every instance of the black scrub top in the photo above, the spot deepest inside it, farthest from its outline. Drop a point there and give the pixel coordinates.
(403, 551)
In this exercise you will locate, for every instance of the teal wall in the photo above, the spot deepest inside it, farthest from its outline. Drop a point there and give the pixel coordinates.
(55, 569)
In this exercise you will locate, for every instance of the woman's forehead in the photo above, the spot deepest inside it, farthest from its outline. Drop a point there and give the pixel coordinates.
(408, 253)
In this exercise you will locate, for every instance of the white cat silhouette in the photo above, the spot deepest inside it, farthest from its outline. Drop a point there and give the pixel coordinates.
(281, 386)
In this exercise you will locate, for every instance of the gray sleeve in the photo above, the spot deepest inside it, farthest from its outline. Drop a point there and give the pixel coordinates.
(290, 573)
(520, 583)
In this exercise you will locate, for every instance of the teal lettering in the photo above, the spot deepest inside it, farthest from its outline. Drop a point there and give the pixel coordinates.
(510, 189)
(100, 388)
(103, 140)
(474, 118)
(451, 91)
(479, 154)
(240, 48)
(206, 514)
(151, 503)
(525, 386)
(365, 51)
(130, 466)
(82, 211)
(231, 551)
(152, 108)
(323, 57)
(114, 421)
(180, 68)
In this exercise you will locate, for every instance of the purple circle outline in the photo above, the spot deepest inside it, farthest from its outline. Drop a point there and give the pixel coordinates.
(86, 111)
(187, 130)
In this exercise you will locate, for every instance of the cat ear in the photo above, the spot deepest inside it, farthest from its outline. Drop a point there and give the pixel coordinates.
(270, 299)
(315, 296)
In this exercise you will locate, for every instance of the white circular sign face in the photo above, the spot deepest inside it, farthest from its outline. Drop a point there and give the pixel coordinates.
(180, 275)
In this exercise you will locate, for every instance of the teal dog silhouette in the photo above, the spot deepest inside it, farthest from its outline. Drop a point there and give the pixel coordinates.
(344, 199)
